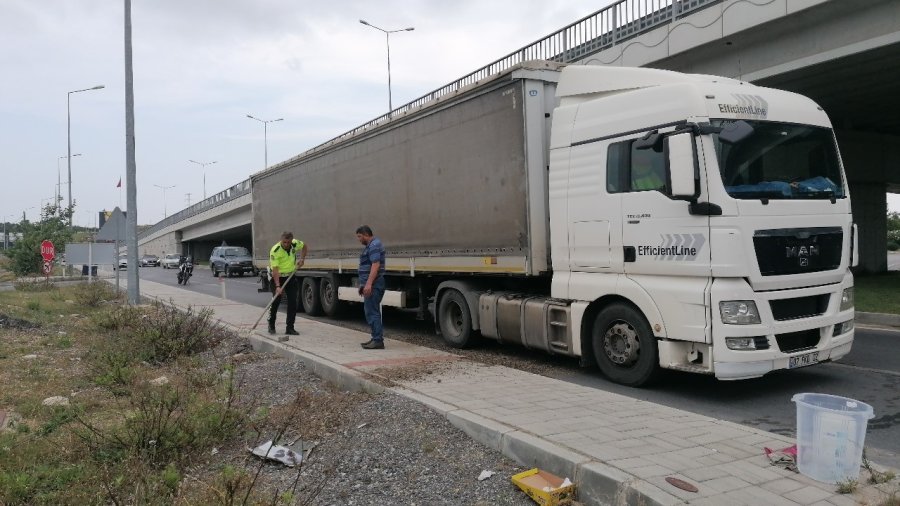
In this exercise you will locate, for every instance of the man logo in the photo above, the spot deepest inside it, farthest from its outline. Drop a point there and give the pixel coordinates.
(804, 262)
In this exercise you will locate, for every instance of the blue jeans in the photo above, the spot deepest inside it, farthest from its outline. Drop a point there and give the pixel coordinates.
(372, 306)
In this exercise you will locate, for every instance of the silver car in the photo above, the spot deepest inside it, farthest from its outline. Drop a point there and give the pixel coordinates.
(170, 261)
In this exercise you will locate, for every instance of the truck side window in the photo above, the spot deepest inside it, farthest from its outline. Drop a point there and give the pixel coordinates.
(631, 170)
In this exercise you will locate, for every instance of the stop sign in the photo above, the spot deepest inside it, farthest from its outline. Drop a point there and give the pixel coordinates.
(48, 252)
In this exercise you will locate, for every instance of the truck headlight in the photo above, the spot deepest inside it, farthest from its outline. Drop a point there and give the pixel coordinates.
(739, 312)
(847, 299)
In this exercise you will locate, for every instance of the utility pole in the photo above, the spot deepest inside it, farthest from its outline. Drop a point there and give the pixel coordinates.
(134, 293)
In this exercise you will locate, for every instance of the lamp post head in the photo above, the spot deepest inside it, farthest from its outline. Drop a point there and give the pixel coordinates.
(98, 87)
(363, 21)
(409, 29)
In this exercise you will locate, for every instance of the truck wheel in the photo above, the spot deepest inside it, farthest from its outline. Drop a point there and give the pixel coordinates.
(214, 271)
(624, 346)
(455, 320)
(328, 295)
(309, 297)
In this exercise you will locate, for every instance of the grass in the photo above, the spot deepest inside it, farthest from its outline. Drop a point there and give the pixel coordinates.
(878, 293)
(122, 440)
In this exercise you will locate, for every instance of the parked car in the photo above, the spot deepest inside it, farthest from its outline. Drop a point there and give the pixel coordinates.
(149, 261)
(123, 262)
(231, 260)
(171, 261)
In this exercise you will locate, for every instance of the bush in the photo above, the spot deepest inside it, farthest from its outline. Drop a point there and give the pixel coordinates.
(169, 332)
(893, 246)
(94, 293)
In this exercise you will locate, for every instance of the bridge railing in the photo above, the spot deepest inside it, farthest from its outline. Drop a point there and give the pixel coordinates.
(227, 195)
(601, 30)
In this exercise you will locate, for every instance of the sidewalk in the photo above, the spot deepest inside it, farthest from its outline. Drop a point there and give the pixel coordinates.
(617, 450)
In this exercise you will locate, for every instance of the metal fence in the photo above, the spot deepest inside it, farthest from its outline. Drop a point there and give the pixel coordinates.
(620, 21)
(229, 194)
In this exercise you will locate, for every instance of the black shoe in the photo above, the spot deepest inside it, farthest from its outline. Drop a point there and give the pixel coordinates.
(374, 345)
(291, 332)
(365, 343)
(271, 328)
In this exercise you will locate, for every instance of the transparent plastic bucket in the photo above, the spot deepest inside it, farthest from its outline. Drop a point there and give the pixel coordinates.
(831, 433)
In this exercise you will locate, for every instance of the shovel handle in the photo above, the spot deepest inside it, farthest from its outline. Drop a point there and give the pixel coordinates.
(269, 305)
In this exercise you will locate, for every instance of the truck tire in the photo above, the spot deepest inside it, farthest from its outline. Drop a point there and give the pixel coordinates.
(328, 295)
(309, 297)
(455, 320)
(624, 346)
(214, 271)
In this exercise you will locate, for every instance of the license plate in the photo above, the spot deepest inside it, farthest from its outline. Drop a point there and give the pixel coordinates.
(803, 360)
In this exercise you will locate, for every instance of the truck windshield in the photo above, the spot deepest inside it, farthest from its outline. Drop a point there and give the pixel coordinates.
(235, 252)
(781, 161)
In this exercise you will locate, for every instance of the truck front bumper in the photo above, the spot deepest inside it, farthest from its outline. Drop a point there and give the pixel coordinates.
(784, 343)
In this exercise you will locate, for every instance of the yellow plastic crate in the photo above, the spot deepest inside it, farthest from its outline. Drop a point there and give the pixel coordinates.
(534, 482)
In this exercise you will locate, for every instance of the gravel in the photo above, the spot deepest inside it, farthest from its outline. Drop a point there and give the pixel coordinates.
(369, 448)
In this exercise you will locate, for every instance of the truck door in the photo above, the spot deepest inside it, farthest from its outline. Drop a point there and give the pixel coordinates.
(665, 247)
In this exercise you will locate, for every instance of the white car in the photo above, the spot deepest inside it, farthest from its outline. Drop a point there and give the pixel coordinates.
(170, 261)
(123, 262)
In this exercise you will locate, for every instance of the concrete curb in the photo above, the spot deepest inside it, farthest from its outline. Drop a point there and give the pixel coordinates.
(883, 319)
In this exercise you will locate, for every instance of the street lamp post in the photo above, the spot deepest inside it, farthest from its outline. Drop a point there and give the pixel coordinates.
(265, 123)
(58, 180)
(6, 237)
(69, 138)
(164, 188)
(387, 35)
(203, 165)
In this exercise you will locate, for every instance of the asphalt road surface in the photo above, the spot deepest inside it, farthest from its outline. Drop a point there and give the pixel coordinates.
(870, 373)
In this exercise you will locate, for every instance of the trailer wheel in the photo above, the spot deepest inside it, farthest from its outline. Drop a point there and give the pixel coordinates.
(455, 320)
(328, 295)
(624, 346)
(309, 297)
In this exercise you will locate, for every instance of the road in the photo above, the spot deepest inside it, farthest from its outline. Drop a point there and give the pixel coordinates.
(870, 373)
(893, 261)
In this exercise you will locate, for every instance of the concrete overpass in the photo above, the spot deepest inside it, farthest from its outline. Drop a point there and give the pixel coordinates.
(196, 230)
(842, 54)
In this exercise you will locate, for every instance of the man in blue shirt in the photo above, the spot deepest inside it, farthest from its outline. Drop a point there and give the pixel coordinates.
(371, 284)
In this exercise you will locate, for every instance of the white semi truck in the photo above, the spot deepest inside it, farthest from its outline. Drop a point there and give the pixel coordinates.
(638, 219)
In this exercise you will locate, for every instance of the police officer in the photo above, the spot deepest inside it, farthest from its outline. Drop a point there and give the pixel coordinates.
(283, 261)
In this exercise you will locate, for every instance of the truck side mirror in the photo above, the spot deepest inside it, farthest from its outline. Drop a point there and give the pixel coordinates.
(682, 164)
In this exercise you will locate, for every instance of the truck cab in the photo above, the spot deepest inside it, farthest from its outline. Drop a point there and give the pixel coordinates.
(698, 223)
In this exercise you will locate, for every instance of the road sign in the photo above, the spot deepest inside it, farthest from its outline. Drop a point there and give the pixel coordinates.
(47, 268)
(48, 252)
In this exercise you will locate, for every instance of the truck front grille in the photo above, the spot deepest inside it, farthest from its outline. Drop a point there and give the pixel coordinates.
(798, 250)
(800, 307)
(796, 341)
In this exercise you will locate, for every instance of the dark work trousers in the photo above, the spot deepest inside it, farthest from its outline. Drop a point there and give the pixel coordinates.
(372, 309)
(292, 292)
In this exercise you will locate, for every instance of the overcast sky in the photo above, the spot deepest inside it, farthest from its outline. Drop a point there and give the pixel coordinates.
(201, 65)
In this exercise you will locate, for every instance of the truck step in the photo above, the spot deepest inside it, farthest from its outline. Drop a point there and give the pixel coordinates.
(697, 369)
(559, 345)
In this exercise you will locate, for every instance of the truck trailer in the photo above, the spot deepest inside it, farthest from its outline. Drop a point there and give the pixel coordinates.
(633, 218)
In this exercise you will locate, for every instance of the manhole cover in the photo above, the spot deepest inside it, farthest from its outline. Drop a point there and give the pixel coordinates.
(683, 485)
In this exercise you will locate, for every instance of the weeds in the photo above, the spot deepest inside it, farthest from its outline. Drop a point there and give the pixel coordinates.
(94, 293)
(892, 500)
(33, 305)
(847, 486)
(875, 476)
(33, 285)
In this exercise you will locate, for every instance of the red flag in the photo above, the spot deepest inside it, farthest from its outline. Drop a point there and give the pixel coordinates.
(120, 183)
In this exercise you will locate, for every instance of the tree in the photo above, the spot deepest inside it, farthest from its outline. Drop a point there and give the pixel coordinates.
(893, 231)
(25, 255)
